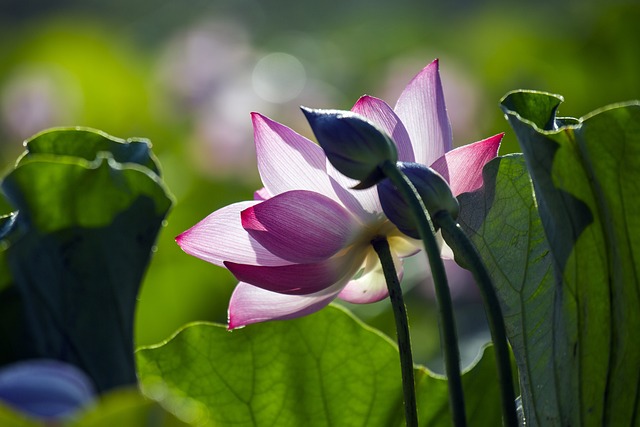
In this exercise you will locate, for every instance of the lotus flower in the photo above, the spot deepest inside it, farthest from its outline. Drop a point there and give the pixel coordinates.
(305, 239)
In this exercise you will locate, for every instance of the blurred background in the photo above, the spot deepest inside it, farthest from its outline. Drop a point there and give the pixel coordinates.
(186, 75)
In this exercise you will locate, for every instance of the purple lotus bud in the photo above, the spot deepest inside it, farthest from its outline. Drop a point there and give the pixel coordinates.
(353, 145)
(45, 388)
(433, 189)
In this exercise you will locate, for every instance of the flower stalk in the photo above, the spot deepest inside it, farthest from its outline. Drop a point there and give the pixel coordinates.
(381, 246)
(445, 306)
(468, 256)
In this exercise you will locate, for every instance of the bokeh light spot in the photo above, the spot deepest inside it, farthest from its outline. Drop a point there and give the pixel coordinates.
(278, 77)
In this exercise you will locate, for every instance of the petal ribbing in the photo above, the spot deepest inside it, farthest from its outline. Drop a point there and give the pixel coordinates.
(300, 226)
(365, 204)
(220, 237)
(462, 167)
(422, 109)
(295, 279)
(287, 160)
(250, 304)
(380, 113)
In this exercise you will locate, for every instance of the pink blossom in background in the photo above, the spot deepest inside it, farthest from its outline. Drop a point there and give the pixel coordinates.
(45, 389)
(305, 240)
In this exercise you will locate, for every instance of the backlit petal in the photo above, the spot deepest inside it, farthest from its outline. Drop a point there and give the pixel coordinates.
(261, 194)
(296, 279)
(422, 109)
(462, 167)
(300, 226)
(365, 204)
(250, 304)
(403, 245)
(445, 250)
(371, 286)
(379, 112)
(287, 160)
(220, 237)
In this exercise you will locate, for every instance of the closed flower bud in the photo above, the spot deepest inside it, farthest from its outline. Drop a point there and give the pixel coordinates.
(433, 189)
(353, 145)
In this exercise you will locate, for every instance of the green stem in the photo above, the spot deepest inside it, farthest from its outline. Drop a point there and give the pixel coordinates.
(381, 247)
(462, 246)
(445, 306)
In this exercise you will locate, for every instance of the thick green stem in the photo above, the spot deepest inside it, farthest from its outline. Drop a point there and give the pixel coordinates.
(445, 306)
(381, 247)
(463, 247)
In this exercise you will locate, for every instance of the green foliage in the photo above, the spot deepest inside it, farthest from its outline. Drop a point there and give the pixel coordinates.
(564, 261)
(73, 256)
(323, 369)
(503, 222)
(126, 408)
(87, 144)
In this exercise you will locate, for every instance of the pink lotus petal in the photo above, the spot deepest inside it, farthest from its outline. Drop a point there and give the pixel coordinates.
(220, 237)
(250, 304)
(261, 194)
(445, 250)
(462, 167)
(296, 279)
(371, 286)
(422, 109)
(363, 203)
(379, 112)
(287, 160)
(300, 226)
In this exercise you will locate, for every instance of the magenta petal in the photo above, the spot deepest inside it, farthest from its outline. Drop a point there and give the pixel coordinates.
(287, 160)
(462, 167)
(220, 237)
(422, 109)
(261, 194)
(300, 226)
(296, 279)
(250, 304)
(382, 115)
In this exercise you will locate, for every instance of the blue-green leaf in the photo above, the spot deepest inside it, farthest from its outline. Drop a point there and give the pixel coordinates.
(72, 260)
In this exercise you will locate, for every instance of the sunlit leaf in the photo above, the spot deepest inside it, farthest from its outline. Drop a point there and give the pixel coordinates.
(587, 182)
(11, 418)
(122, 407)
(502, 220)
(323, 369)
(87, 143)
(129, 408)
(565, 261)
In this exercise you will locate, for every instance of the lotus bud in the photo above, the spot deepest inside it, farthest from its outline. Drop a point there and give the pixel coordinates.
(432, 188)
(354, 146)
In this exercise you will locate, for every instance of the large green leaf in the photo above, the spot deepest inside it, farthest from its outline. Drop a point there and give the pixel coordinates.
(565, 261)
(503, 222)
(323, 369)
(586, 177)
(74, 256)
